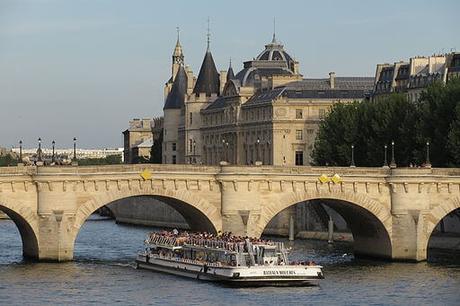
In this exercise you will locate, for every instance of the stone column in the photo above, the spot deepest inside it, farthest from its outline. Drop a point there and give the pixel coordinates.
(56, 212)
(407, 207)
(240, 207)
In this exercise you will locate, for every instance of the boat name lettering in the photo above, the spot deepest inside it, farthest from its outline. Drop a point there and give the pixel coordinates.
(278, 272)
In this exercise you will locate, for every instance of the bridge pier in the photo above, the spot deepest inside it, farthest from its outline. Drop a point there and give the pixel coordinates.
(408, 221)
(240, 208)
(56, 241)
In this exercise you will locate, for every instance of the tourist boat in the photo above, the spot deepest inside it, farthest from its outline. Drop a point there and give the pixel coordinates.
(243, 263)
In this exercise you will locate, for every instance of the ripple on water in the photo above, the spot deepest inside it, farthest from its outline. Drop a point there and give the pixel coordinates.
(103, 273)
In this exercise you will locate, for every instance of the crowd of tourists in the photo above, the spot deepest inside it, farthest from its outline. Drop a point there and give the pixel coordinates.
(177, 237)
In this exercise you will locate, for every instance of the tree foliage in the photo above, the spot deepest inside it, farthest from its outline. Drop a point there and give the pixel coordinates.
(8, 160)
(370, 125)
(109, 160)
(157, 148)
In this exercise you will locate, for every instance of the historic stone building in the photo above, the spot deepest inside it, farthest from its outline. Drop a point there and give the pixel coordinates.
(265, 113)
(138, 139)
(414, 76)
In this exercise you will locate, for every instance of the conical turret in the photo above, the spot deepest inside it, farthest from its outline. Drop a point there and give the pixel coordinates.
(208, 77)
(230, 73)
(176, 97)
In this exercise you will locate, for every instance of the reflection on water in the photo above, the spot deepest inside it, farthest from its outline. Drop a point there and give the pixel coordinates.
(103, 273)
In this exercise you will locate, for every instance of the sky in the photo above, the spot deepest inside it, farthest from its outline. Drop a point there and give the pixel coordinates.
(84, 68)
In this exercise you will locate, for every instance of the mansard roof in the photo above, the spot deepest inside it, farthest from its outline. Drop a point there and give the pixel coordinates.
(220, 102)
(208, 78)
(344, 88)
(340, 83)
(176, 97)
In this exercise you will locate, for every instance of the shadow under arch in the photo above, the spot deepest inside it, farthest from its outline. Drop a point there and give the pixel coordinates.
(26, 230)
(435, 216)
(197, 212)
(371, 233)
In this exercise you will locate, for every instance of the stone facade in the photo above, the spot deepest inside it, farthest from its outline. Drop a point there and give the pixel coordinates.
(266, 113)
(138, 139)
(414, 76)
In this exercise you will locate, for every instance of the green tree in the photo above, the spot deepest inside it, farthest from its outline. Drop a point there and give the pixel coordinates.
(369, 126)
(8, 160)
(336, 134)
(109, 160)
(453, 141)
(437, 107)
(156, 151)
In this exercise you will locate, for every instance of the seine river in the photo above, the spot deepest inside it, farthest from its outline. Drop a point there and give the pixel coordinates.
(103, 273)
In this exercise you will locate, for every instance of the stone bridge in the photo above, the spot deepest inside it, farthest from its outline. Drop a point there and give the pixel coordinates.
(391, 212)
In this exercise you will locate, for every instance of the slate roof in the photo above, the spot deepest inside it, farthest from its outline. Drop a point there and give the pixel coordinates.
(220, 102)
(230, 74)
(146, 144)
(247, 75)
(339, 83)
(176, 97)
(345, 88)
(208, 78)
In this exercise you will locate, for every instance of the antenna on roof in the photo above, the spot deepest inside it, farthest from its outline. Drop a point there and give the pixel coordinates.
(178, 33)
(230, 66)
(274, 30)
(208, 36)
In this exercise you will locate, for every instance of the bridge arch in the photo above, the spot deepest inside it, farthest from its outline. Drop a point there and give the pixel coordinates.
(369, 220)
(433, 218)
(198, 212)
(27, 224)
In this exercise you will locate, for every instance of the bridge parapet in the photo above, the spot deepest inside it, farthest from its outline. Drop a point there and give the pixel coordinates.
(408, 202)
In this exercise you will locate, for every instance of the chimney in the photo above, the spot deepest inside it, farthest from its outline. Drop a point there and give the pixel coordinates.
(332, 79)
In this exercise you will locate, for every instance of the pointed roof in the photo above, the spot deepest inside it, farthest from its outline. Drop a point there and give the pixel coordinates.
(208, 78)
(178, 47)
(176, 97)
(230, 73)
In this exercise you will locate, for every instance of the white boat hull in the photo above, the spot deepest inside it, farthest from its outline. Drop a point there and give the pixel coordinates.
(288, 275)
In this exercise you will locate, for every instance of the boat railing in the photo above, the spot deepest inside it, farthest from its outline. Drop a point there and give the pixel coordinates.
(239, 247)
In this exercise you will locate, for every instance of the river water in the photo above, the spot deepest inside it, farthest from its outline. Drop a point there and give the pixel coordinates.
(104, 273)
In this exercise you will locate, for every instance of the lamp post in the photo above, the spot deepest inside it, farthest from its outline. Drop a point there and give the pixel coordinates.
(223, 148)
(20, 151)
(194, 150)
(53, 157)
(269, 152)
(74, 149)
(393, 161)
(352, 156)
(427, 162)
(39, 151)
(226, 151)
(258, 148)
(385, 163)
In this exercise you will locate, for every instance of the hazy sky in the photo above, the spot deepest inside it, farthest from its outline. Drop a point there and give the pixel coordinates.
(84, 68)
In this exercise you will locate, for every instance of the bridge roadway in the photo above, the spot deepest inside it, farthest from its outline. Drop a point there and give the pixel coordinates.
(391, 212)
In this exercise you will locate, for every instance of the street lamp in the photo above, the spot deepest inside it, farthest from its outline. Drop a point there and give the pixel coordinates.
(352, 156)
(226, 151)
(223, 148)
(269, 152)
(39, 151)
(385, 163)
(393, 161)
(427, 162)
(258, 148)
(53, 157)
(75, 149)
(20, 151)
(194, 150)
